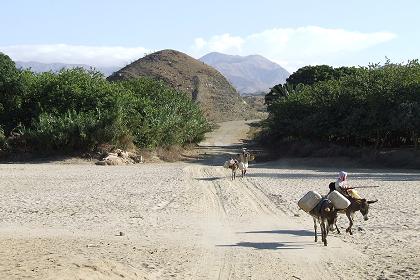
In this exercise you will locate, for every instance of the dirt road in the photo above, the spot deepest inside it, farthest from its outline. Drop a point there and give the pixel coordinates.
(190, 221)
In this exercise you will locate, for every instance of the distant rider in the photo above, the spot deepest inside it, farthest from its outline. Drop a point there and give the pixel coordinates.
(243, 155)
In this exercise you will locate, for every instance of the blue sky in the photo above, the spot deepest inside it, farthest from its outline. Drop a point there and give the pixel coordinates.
(292, 33)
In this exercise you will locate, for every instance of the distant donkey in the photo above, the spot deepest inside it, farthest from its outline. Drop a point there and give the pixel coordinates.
(244, 158)
(233, 165)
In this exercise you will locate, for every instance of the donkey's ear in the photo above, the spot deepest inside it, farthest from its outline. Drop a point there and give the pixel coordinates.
(372, 201)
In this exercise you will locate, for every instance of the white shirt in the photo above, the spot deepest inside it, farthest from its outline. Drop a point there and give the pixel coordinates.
(340, 186)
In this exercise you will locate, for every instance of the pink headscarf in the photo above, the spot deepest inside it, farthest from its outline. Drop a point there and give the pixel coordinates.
(342, 176)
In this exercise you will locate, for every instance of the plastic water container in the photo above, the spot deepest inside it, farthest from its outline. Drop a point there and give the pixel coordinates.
(309, 201)
(338, 200)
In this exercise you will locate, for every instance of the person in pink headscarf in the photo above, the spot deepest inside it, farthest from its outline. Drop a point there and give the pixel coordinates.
(341, 185)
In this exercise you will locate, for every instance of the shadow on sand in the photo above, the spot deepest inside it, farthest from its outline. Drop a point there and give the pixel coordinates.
(279, 175)
(266, 245)
(390, 177)
(210, 179)
(297, 232)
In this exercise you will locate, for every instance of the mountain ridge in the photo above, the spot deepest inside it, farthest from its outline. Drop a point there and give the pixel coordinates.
(248, 74)
(39, 67)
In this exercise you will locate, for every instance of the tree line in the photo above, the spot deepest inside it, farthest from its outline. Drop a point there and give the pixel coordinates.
(78, 110)
(377, 106)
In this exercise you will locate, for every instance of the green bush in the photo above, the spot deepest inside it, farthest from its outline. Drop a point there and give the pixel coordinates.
(78, 110)
(371, 106)
(2, 139)
(165, 116)
(73, 131)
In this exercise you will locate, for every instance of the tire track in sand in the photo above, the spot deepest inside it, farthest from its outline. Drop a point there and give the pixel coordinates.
(215, 262)
(247, 236)
(319, 260)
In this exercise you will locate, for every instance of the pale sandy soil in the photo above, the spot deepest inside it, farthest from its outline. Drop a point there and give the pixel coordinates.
(190, 221)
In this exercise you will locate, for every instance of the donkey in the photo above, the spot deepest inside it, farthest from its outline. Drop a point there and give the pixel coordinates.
(356, 204)
(244, 159)
(233, 165)
(326, 215)
(361, 205)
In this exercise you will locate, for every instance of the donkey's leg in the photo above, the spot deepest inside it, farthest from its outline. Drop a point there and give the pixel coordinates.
(316, 236)
(336, 227)
(350, 217)
(324, 232)
(352, 222)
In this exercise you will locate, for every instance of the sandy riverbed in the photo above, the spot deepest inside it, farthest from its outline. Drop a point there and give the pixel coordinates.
(190, 221)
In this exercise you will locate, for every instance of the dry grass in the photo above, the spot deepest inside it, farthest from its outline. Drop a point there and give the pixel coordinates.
(170, 154)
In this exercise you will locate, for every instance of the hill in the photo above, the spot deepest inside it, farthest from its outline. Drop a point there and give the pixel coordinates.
(216, 96)
(248, 74)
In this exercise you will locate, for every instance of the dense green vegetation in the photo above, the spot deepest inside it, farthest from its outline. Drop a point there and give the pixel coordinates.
(78, 110)
(376, 106)
(310, 75)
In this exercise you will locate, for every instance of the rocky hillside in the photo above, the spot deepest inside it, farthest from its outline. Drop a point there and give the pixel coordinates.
(204, 84)
(257, 102)
(248, 74)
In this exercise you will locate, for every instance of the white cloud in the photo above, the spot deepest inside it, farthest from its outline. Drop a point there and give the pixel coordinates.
(295, 47)
(220, 43)
(290, 47)
(78, 54)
